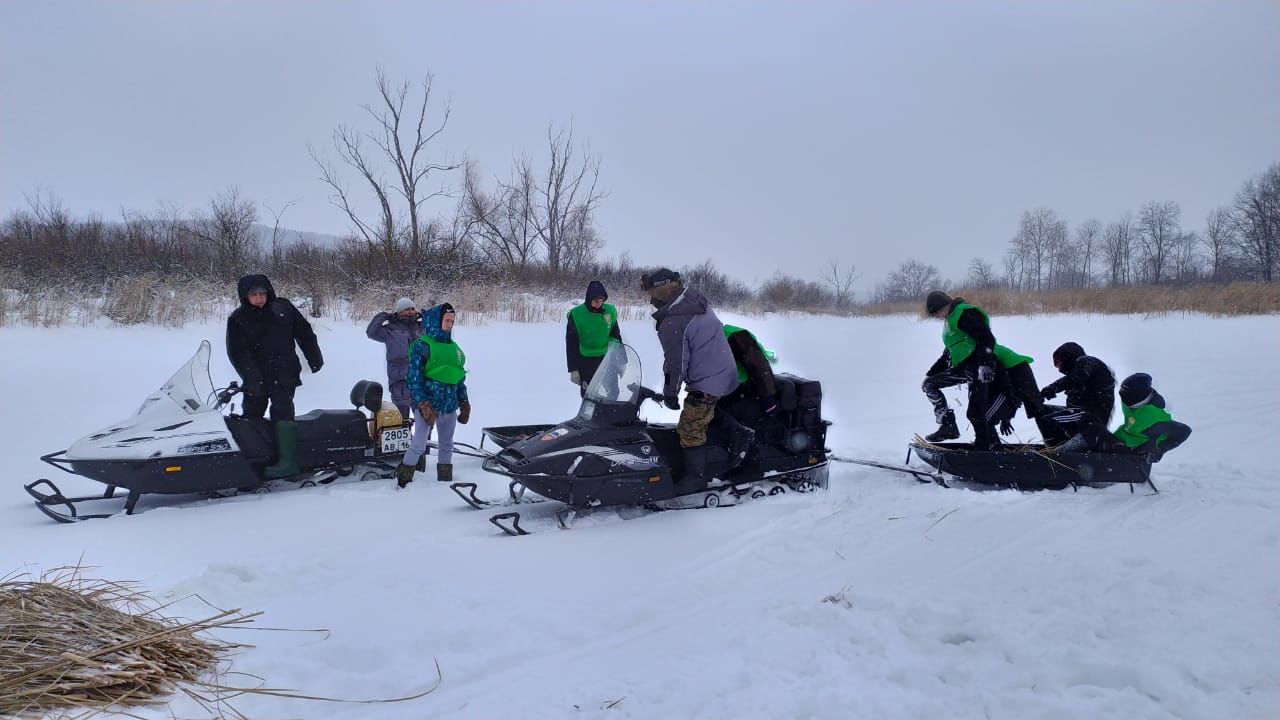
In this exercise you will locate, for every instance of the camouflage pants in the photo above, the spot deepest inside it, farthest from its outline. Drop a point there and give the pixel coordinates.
(696, 415)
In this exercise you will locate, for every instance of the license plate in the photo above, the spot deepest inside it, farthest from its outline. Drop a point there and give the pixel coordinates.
(396, 440)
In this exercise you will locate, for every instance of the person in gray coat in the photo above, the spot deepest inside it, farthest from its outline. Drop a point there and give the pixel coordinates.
(397, 330)
(696, 355)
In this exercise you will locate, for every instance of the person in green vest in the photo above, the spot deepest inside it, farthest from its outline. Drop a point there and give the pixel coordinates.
(757, 390)
(998, 378)
(437, 385)
(1148, 428)
(587, 333)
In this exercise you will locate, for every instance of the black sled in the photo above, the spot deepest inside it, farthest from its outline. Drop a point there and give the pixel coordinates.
(1032, 467)
(607, 456)
(180, 442)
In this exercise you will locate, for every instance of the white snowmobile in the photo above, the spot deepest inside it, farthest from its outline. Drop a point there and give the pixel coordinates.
(180, 441)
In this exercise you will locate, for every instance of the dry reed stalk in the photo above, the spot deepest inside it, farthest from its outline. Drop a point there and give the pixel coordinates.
(68, 642)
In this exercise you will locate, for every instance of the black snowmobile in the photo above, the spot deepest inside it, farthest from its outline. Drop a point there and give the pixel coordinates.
(180, 442)
(608, 456)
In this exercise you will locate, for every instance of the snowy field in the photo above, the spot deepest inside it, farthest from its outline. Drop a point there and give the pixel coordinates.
(942, 603)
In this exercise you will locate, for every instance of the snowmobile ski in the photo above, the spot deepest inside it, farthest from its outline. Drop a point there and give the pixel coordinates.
(515, 492)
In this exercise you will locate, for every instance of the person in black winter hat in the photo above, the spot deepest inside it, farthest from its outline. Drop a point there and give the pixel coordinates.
(1090, 387)
(261, 335)
(589, 329)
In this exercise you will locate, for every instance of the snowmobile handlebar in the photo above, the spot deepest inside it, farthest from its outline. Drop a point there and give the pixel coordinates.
(645, 393)
(230, 391)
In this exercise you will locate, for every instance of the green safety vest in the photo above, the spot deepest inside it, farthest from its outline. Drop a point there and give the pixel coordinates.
(960, 346)
(594, 328)
(1133, 432)
(768, 354)
(445, 363)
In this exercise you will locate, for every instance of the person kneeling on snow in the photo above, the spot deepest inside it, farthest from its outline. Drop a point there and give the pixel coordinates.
(1090, 387)
(1148, 427)
(696, 355)
(757, 391)
(587, 335)
(437, 386)
(261, 334)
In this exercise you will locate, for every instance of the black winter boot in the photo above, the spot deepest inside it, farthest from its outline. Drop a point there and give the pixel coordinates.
(444, 472)
(739, 444)
(947, 429)
(695, 468)
(404, 475)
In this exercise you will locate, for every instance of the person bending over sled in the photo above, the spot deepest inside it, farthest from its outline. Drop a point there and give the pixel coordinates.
(437, 374)
(587, 335)
(696, 355)
(261, 334)
(1090, 387)
(757, 393)
(998, 378)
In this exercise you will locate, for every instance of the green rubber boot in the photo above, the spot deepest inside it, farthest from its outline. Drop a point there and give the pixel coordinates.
(286, 451)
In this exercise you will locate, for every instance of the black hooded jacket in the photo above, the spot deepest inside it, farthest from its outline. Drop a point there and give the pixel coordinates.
(1089, 385)
(260, 340)
(575, 360)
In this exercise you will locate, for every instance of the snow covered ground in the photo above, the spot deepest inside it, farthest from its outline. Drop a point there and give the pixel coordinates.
(940, 603)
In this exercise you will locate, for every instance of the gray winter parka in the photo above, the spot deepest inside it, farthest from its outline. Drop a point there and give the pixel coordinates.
(694, 348)
(397, 334)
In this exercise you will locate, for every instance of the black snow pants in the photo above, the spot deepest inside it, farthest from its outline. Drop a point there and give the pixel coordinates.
(281, 397)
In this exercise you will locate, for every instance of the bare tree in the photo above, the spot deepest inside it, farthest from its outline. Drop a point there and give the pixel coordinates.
(400, 138)
(1088, 238)
(1257, 209)
(1158, 232)
(1185, 258)
(910, 281)
(1218, 239)
(1040, 232)
(841, 282)
(981, 274)
(227, 228)
(277, 235)
(567, 196)
(1118, 246)
(503, 222)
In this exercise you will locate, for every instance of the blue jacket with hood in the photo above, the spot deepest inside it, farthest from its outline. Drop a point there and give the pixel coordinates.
(444, 398)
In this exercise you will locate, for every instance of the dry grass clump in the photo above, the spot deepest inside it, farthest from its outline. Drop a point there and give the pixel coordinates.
(68, 642)
(1231, 299)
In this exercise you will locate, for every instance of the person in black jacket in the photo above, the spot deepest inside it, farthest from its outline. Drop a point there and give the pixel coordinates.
(1090, 387)
(261, 334)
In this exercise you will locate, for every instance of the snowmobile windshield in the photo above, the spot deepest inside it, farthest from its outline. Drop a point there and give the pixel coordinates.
(619, 377)
(188, 388)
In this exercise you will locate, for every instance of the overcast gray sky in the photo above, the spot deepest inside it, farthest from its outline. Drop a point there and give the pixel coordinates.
(764, 135)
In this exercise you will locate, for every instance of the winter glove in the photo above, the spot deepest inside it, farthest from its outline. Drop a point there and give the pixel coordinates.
(575, 377)
(315, 366)
(1006, 427)
(672, 401)
(770, 405)
(1048, 394)
(1154, 455)
(427, 412)
(464, 412)
(986, 374)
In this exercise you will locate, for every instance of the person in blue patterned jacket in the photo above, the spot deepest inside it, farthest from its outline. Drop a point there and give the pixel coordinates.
(437, 385)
